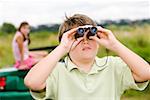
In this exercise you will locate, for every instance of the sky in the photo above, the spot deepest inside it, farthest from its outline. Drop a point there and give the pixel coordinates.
(38, 12)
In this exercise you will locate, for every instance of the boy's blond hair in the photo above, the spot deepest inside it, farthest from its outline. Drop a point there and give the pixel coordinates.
(74, 21)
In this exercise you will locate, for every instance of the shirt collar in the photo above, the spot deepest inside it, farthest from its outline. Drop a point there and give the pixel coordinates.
(69, 64)
(98, 65)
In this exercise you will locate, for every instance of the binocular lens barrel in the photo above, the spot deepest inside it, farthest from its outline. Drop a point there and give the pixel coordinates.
(81, 31)
(93, 30)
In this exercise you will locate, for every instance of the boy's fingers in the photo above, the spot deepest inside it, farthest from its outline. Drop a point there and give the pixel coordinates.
(77, 42)
(100, 41)
(94, 38)
(100, 29)
(102, 35)
(71, 32)
(103, 30)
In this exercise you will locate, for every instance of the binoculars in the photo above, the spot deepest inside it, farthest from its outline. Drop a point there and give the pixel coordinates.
(91, 32)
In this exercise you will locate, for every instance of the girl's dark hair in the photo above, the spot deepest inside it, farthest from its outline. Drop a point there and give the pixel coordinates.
(19, 29)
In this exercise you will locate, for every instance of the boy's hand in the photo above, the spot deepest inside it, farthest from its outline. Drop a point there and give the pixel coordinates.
(106, 38)
(68, 42)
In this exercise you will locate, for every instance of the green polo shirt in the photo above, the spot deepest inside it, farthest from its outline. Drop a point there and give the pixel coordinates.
(107, 82)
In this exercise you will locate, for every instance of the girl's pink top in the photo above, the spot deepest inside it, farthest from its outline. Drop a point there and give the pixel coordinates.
(16, 50)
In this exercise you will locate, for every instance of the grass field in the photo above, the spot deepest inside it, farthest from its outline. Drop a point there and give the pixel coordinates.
(137, 38)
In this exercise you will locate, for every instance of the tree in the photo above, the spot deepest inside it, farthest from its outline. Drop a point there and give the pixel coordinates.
(8, 28)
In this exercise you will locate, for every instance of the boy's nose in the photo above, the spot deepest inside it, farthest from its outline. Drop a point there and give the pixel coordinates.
(85, 39)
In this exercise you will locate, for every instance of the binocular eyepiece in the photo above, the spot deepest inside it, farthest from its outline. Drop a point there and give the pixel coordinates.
(80, 32)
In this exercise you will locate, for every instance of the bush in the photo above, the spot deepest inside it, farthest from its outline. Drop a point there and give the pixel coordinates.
(8, 28)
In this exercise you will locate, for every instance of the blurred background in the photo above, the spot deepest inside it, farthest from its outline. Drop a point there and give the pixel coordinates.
(128, 19)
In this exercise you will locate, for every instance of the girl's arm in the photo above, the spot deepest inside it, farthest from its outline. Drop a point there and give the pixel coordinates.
(140, 68)
(20, 45)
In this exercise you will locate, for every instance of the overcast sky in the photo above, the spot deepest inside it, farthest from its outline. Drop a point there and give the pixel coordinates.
(53, 11)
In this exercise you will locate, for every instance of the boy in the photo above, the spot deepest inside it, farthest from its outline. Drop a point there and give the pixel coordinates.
(83, 76)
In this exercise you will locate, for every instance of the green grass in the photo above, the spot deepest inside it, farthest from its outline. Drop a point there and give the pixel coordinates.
(136, 38)
(43, 39)
(137, 95)
(6, 56)
(40, 39)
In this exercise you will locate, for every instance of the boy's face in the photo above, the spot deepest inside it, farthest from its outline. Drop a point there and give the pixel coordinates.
(86, 49)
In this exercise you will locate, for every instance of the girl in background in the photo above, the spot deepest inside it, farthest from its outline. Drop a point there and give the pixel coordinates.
(23, 58)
